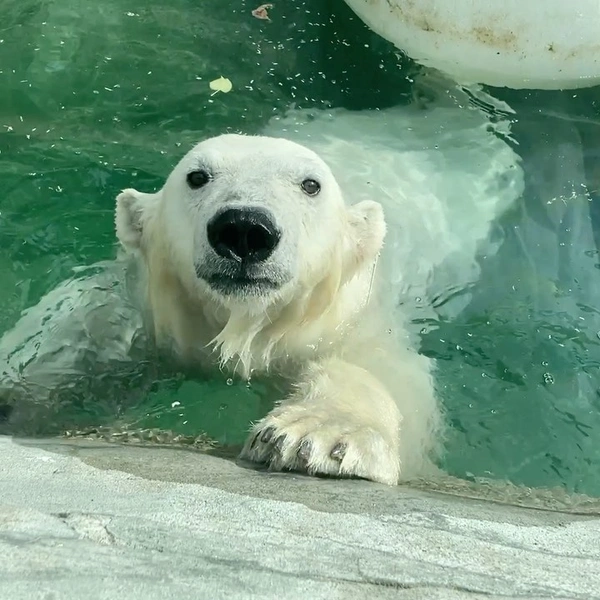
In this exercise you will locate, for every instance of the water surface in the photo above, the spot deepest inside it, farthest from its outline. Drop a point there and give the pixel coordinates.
(98, 97)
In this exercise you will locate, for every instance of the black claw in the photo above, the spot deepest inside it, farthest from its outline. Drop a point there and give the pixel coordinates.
(254, 441)
(304, 450)
(278, 446)
(267, 434)
(338, 451)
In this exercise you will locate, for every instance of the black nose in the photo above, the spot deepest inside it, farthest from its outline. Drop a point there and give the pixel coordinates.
(243, 234)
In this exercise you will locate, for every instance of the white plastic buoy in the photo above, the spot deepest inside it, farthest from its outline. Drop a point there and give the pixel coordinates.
(537, 44)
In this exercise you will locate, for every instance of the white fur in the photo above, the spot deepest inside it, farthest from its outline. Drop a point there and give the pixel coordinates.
(357, 390)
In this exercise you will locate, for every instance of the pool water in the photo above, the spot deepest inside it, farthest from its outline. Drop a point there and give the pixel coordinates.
(98, 97)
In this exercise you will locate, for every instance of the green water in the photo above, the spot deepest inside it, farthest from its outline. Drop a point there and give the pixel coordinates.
(101, 96)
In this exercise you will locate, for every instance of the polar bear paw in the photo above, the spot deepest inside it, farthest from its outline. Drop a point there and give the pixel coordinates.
(323, 442)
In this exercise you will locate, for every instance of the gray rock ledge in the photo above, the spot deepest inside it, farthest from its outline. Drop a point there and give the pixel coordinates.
(90, 520)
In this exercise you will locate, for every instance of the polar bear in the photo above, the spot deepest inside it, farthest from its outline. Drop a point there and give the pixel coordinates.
(255, 264)
(249, 261)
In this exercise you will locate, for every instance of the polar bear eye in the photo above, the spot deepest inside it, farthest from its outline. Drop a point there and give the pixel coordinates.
(311, 187)
(196, 179)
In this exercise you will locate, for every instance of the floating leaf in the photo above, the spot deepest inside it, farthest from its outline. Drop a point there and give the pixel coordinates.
(220, 85)
(260, 12)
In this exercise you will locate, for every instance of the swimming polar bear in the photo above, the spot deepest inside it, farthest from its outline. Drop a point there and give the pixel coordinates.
(256, 264)
(249, 260)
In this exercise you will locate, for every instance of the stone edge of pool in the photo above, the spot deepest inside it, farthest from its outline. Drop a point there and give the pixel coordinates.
(104, 521)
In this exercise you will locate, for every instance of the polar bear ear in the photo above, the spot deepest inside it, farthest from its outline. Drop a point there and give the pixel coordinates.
(132, 212)
(365, 239)
(367, 223)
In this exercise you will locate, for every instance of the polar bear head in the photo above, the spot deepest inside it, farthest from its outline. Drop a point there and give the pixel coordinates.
(250, 225)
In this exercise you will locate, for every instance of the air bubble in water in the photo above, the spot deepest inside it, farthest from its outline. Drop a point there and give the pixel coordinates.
(229, 381)
(548, 378)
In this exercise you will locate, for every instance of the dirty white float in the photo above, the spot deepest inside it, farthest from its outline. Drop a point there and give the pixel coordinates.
(538, 44)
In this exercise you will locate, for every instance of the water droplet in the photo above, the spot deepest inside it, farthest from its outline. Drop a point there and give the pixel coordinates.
(548, 378)
(229, 381)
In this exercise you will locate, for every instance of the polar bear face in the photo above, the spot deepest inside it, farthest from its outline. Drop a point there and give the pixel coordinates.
(245, 217)
(253, 208)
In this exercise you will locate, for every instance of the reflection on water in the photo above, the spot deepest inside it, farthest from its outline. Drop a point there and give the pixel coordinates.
(524, 354)
(497, 191)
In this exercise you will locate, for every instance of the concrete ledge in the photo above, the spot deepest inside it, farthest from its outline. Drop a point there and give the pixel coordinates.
(93, 520)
